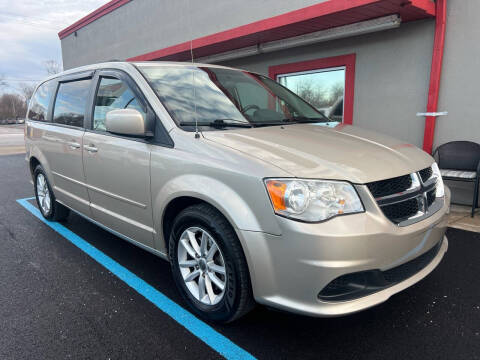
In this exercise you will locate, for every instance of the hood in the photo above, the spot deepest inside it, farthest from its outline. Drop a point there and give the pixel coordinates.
(312, 151)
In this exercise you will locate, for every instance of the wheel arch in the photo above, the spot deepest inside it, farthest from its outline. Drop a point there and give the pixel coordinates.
(33, 163)
(36, 157)
(177, 194)
(173, 208)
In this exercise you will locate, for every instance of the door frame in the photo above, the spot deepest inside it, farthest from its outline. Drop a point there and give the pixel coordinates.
(161, 136)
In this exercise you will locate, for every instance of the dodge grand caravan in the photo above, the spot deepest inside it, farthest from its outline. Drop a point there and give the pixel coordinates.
(238, 183)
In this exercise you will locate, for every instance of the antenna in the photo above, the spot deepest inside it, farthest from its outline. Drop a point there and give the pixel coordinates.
(191, 49)
(197, 135)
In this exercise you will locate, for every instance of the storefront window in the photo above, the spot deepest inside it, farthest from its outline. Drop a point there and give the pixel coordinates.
(323, 88)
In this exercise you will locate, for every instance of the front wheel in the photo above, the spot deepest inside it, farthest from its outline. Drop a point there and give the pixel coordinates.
(208, 265)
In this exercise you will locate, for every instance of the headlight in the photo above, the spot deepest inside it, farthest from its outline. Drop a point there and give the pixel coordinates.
(440, 187)
(312, 200)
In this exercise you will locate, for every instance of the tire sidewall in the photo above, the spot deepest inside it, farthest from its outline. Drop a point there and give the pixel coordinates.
(39, 170)
(226, 308)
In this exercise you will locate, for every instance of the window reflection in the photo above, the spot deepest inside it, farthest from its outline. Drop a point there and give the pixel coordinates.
(70, 103)
(324, 89)
(40, 101)
(208, 94)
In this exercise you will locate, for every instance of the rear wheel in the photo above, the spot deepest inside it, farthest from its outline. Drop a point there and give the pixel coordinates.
(47, 204)
(208, 265)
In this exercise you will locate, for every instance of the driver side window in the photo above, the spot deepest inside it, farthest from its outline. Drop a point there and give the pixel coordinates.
(112, 94)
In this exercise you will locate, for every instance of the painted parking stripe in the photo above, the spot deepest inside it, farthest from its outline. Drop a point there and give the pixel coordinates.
(200, 329)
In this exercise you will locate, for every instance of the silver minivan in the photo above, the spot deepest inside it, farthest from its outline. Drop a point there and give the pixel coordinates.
(239, 183)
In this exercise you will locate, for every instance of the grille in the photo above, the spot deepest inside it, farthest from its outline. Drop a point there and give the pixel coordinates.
(397, 203)
(401, 211)
(426, 174)
(431, 195)
(390, 186)
(338, 284)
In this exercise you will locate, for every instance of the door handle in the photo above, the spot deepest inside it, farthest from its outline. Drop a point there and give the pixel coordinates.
(90, 148)
(73, 145)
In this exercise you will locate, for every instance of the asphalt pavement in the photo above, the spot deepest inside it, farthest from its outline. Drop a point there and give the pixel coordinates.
(57, 302)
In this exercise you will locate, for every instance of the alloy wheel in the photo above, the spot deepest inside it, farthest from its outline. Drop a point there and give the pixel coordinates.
(43, 194)
(202, 265)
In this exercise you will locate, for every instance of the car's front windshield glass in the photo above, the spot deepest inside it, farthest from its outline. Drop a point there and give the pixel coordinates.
(218, 98)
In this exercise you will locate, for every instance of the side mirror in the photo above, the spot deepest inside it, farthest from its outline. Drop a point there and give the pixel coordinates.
(125, 122)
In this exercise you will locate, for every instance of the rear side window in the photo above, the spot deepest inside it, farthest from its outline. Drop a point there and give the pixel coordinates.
(39, 103)
(70, 103)
(113, 94)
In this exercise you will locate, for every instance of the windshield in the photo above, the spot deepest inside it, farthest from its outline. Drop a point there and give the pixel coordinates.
(218, 98)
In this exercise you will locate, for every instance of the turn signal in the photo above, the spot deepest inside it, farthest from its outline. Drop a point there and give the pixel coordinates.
(277, 189)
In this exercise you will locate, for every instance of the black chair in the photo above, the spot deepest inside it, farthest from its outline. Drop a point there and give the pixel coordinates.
(460, 161)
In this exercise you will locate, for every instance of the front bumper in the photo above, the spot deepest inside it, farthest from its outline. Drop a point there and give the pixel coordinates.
(289, 271)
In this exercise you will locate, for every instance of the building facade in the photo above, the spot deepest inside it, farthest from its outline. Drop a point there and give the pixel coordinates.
(378, 64)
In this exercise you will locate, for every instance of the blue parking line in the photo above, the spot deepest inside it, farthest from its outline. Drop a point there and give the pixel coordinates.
(201, 330)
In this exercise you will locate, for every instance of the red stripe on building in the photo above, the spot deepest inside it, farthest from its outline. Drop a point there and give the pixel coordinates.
(435, 74)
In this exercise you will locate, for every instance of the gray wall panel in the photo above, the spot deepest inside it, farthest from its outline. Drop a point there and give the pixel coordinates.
(460, 75)
(458, 87)
(142, 26)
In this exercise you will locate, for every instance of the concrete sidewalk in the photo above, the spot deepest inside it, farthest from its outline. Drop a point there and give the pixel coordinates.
(460, 218)
(11, 139)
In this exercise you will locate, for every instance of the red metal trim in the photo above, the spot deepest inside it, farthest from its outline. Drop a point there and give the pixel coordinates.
(101, 11)
(427, 5)
(435, 73)
(345, 60)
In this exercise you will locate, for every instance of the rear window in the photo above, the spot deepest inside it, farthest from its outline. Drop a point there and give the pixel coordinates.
(40, 101)
(70, 103)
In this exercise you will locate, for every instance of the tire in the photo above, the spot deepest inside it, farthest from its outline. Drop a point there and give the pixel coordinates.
(237, 298)
(43, 193)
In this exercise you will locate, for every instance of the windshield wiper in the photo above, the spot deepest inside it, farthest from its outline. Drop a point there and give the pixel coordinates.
(304, 119)
(290, 121)
(219, 123)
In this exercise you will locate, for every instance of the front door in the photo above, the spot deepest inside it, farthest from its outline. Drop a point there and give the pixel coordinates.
(117, 168)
